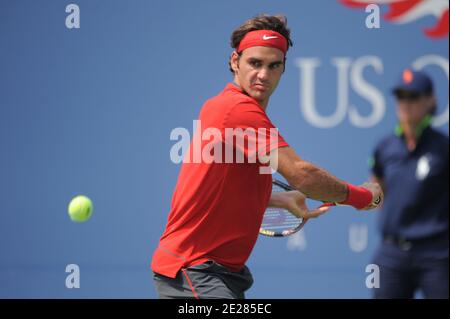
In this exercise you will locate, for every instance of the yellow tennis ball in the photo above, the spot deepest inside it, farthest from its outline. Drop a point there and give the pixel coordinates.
(80, 208)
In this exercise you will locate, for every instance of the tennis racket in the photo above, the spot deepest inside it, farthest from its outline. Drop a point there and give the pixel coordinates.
(279, 222)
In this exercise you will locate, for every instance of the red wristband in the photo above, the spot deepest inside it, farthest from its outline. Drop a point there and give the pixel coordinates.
(358, 197)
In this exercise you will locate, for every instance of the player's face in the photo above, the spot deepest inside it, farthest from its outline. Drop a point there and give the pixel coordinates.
(412, 109)
(258, 71)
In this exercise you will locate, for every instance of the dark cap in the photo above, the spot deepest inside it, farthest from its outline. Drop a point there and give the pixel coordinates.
(414, 81)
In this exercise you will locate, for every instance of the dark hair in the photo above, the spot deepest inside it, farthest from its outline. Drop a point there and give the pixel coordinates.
(276, 23)
(414, 95)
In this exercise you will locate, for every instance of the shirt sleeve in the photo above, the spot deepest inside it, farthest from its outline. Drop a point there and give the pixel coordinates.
(254, 135)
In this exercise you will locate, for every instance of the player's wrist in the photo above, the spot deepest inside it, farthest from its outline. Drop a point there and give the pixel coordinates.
(357, 196)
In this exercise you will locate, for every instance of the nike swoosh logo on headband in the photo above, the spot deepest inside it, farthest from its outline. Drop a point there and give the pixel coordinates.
(265, 37)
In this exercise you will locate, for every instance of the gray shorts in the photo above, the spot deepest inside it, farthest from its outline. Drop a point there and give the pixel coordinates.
(209, 280)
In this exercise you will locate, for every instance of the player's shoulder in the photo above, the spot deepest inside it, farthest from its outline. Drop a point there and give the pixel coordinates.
(242, 110)
(232, 107)
(238, 104)
(236, 97)
(231, 96)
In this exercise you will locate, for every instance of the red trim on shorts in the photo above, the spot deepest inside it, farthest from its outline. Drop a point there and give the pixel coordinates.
(190, 283)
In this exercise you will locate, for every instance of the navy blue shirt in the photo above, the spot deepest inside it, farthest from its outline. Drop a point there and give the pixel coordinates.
(416, 183)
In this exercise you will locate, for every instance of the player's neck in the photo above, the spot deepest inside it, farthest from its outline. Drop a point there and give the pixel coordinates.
(263, 103)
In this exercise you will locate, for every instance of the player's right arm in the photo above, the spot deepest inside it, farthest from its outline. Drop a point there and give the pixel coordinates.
(318, 184)
(379, 181)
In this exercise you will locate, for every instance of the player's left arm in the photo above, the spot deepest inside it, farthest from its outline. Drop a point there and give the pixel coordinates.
(295, 202)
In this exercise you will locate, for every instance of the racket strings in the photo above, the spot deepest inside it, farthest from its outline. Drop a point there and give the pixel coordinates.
(279, 221)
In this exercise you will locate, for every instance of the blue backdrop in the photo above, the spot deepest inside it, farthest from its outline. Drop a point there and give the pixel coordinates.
(89, 110)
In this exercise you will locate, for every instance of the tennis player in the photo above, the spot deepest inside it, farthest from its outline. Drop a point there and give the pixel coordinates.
(217, 206)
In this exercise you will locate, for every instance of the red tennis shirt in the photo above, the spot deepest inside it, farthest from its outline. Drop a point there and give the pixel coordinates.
(217, 206)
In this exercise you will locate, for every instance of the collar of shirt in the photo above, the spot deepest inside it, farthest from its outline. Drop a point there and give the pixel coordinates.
(426, 122)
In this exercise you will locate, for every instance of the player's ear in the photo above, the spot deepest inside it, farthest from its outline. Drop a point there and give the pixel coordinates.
(234, 61)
